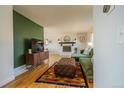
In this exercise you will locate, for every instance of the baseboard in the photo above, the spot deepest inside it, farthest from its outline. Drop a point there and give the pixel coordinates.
(7, 80)
(20, 70)
(17, 71)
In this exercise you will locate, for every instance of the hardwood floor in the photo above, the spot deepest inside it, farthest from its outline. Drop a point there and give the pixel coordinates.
(27, 79)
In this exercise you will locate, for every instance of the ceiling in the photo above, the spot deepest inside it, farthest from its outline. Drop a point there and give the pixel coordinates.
(74, 18)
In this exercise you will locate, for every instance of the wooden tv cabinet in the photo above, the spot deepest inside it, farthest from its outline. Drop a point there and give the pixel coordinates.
(36, 58)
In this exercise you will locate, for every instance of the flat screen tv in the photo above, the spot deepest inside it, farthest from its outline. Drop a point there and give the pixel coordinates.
(37, 45)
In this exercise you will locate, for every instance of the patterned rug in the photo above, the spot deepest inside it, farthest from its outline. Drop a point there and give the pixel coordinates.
(49, 77)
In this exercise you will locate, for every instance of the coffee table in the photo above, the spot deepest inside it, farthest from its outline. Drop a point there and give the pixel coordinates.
(66, 67)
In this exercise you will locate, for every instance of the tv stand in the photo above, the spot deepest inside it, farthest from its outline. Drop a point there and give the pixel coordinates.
(36, 58)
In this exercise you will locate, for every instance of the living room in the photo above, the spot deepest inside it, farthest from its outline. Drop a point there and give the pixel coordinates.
(66, 32)
(44, 38)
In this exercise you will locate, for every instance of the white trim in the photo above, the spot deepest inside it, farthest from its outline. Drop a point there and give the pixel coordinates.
(20, 70)
(7, 80)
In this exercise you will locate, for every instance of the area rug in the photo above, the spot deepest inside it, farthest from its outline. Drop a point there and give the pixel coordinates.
(49, 77)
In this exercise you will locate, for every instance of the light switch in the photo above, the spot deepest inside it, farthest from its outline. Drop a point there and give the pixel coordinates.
(120, 35)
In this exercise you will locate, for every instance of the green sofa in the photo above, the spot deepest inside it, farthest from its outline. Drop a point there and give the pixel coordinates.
(81, 55)
(87, 67)
(86, 64)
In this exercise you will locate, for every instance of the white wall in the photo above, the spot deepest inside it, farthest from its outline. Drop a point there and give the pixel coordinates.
(6, 44)
(109, 55)
(53, 34)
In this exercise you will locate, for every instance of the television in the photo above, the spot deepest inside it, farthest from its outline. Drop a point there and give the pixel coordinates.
(37, 45)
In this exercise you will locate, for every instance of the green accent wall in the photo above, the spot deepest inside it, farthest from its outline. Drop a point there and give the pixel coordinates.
(24, 31)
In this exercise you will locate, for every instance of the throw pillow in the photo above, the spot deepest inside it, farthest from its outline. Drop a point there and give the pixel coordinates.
(82, 51)
(87, 51)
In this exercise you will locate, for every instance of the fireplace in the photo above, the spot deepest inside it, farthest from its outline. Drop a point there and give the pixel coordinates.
(66, 48)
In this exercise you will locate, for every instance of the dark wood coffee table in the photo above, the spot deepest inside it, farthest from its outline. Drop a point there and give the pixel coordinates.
(66, 67)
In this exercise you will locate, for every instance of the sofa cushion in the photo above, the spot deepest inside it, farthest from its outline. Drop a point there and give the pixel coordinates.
(87, 67)
(80, 55)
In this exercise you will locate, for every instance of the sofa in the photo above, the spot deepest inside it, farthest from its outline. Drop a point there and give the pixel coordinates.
(87, 68)
(86, 64)
(82, 55)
